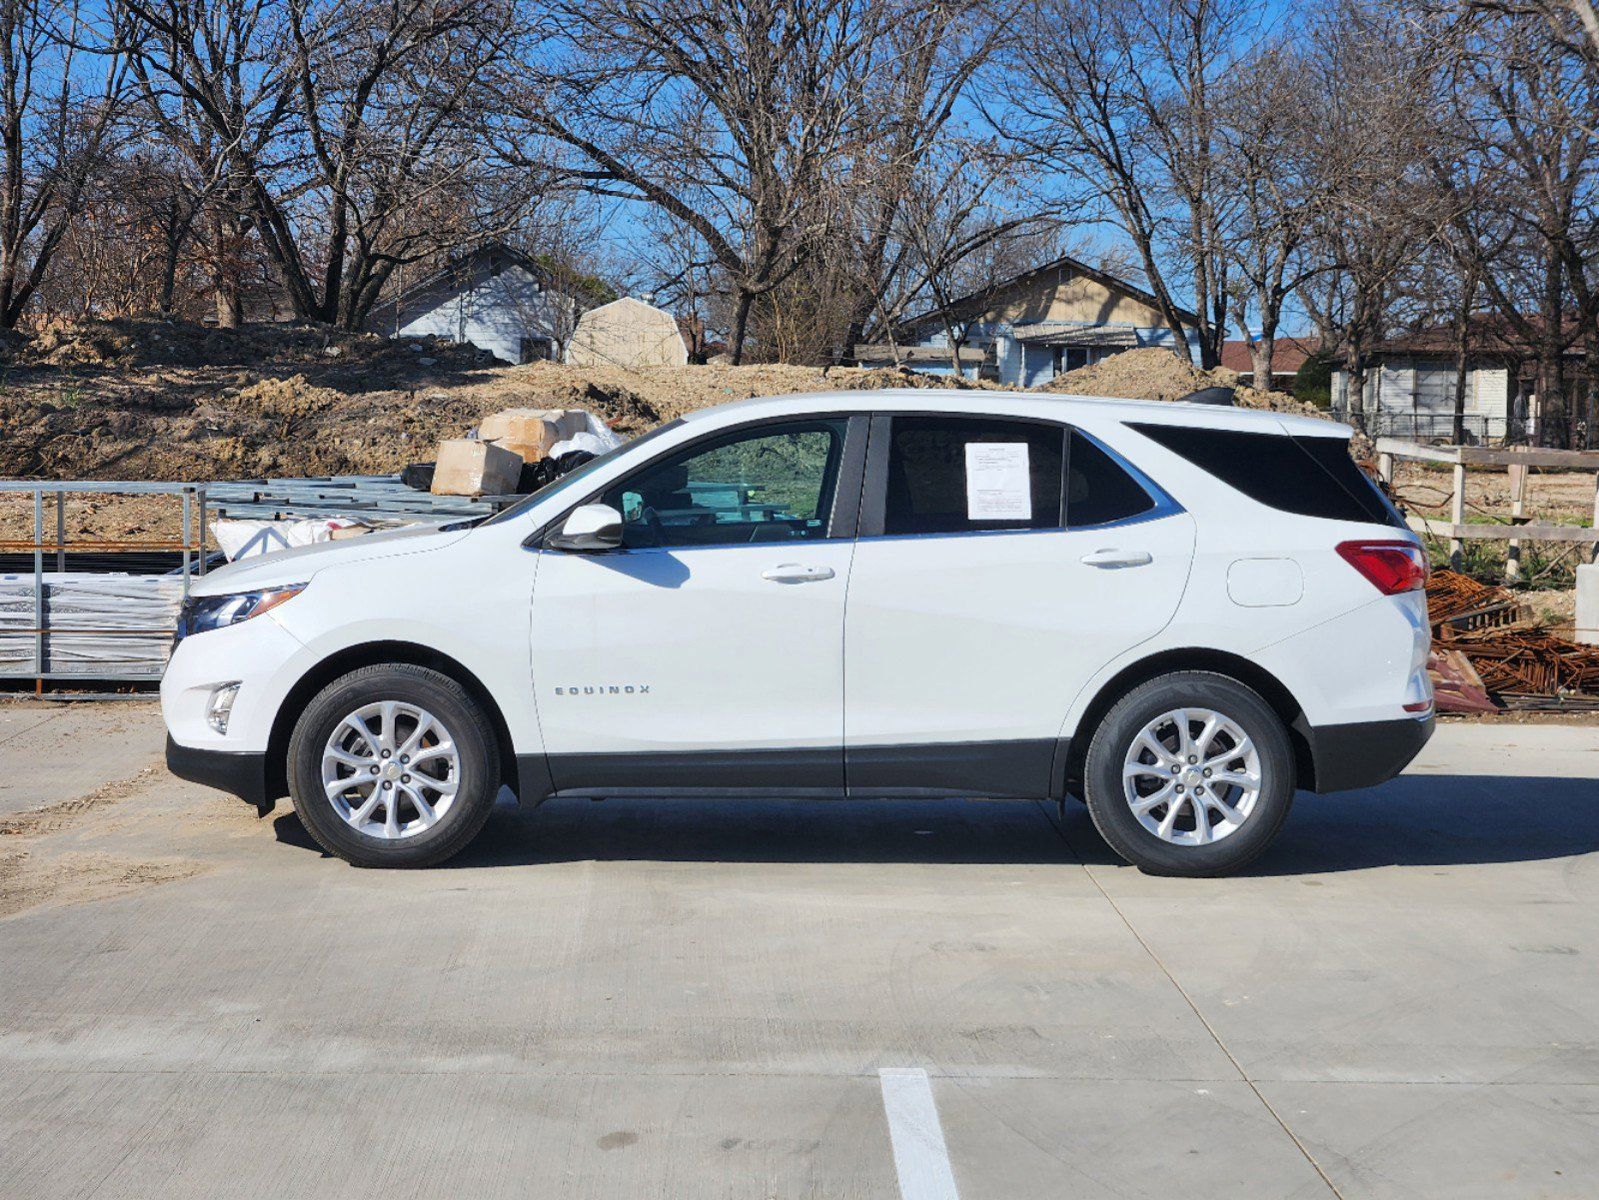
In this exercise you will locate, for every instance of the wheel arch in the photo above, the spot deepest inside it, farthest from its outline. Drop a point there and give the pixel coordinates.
(371, 654)
(1271, 689)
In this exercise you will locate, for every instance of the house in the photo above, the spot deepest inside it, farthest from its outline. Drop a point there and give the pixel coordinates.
(1025, 330)
(494, 297)
(1288, 354)
(1410, 385)
(627, 333)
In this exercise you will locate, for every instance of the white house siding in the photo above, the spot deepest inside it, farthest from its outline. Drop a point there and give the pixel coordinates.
(504, 314)
(1426, 388)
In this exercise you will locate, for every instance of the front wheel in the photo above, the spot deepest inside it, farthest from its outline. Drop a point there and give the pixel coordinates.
(1190, 774)
(393, 766)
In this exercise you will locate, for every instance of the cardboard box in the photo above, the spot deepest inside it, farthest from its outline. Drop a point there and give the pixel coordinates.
(473, 468)
(531, 432)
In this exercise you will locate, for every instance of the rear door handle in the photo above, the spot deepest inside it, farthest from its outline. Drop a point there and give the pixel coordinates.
(1118, 558)
(794, 573)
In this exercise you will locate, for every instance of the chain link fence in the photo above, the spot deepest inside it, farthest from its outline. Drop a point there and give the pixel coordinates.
(1478, 430)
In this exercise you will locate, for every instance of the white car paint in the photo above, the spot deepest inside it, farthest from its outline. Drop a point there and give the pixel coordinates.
(986, 637)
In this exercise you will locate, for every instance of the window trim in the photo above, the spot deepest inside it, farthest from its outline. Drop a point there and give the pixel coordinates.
(1165, 505)
(874, 501)
(841, 520)
(874, 498)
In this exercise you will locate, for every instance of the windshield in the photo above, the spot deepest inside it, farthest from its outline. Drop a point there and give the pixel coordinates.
(572, 477)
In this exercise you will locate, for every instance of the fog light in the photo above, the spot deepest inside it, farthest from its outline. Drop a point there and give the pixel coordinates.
(220, 708)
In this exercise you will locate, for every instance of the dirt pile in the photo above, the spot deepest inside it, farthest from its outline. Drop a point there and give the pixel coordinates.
(126, 342)
(1156, 374)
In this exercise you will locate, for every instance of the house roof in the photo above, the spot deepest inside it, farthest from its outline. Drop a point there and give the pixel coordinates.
(1287, 355)
(458, 270)
(1067, 261)
(1486, 334)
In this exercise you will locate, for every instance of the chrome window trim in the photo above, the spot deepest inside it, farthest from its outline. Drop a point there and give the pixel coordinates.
(1165, 505)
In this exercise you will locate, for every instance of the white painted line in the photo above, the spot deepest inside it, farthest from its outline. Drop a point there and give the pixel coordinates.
(920, 1158)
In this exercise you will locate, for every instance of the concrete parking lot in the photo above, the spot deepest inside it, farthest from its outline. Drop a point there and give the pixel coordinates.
(685, 999)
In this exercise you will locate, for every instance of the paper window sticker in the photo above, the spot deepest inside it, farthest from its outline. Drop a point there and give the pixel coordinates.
(998, 482)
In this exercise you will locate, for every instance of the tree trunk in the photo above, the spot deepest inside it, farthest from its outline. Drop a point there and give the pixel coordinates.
(1261, 351)
(1462, 336)
(741, 321)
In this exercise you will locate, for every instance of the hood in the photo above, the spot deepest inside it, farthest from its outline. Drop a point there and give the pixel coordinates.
(298, 564)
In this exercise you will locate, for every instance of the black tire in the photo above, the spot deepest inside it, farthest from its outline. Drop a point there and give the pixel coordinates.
(469, 728)
(1107, 754)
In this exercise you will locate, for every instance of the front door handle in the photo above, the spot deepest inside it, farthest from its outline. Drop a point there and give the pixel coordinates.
(1118, 558)
(794, 573)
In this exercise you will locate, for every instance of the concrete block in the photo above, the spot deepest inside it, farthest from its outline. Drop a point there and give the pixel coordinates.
(1588, 604)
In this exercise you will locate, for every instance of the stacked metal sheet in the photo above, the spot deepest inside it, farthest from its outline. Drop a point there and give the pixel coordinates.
(97, 626)
(342, 495)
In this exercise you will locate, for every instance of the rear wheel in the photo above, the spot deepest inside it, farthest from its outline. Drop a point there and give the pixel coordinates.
(393, 765)
(1190, 774)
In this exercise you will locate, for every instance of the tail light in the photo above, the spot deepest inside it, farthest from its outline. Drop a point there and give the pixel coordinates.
(1392, 567)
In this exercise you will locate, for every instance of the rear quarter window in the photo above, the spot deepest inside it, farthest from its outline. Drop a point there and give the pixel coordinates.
(1307, 476)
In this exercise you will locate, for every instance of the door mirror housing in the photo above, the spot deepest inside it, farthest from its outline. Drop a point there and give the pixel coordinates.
(589, 529)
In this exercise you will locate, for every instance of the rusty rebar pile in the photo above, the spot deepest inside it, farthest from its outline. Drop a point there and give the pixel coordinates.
(1514, 661)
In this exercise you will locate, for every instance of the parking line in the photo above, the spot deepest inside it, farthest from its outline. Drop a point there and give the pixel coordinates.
(921, 1159)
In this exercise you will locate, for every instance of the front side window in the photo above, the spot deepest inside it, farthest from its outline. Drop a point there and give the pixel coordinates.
(774, 484)
(972, 474)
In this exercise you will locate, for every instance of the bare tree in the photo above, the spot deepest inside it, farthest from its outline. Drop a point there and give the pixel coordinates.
(1521, 167)
(61, 93)
(725, 114)
(1126, 100)
(1268, 152)
(350, 132)
(1374, 82)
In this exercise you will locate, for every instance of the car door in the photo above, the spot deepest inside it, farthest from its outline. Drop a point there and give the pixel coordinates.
(1001, 562)
(706, 654)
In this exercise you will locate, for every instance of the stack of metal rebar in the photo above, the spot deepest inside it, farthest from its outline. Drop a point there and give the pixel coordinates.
(1519, 665)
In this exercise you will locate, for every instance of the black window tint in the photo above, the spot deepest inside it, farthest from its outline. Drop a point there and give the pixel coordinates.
(1332, 455)
(1098, 489)
(927, 473)
(1313, 477)
(772, 484)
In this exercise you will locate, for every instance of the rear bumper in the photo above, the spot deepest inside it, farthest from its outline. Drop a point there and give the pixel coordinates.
(241, 772)
(1366, 753)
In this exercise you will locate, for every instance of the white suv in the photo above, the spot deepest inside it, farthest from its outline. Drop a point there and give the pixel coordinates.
(1179, 612)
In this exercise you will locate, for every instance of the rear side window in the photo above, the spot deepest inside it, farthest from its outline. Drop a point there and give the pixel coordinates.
(1312, 476)
(968, 474)
(1098, 489)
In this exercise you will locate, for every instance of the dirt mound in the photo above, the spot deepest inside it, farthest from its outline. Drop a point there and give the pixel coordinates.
(1156, 374)
(125, 342)
(293, 397)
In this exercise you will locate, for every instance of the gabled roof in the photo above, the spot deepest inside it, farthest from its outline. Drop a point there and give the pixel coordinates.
(1288, 354)
(1066, 261)
(462, 267)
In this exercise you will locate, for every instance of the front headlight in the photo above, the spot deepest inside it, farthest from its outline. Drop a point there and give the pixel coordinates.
(202, 613)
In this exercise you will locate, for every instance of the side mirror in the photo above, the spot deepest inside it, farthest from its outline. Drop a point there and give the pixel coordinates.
(589, 528)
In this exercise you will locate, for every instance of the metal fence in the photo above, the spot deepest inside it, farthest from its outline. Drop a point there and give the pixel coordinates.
(1478, 430)
(60, 625)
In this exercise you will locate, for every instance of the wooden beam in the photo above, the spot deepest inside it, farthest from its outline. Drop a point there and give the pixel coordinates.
(1481, 456)
(1505, 533)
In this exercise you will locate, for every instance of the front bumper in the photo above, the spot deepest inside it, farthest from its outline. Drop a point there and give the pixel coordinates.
(1366, 753)
(242, 772)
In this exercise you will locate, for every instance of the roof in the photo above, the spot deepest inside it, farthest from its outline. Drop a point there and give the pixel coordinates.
(1076, 265)
(1288, 354)
(1049, 405)
(1486, 334)
(454, 272)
